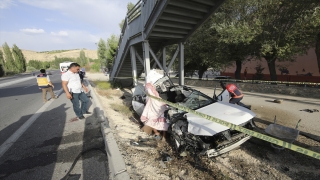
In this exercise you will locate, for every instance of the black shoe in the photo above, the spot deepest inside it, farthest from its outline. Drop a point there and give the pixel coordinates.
(81, 117)
(87, 112)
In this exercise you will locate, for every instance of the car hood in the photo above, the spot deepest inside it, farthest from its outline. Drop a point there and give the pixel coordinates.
(232, 113)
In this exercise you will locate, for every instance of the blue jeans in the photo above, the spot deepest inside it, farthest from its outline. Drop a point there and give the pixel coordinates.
(76, 105)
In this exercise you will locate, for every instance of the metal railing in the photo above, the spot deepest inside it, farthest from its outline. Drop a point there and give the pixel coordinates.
(134, 12)
(131, 15)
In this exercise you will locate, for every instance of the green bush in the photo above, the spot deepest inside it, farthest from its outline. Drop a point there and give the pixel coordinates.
(95, 67)
(30, 69)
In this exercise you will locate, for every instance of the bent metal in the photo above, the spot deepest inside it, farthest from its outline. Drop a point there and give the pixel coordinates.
(246, 131)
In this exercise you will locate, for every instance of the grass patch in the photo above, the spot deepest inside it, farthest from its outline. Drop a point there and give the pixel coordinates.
(103, 85)
(109, 93)
(122, 109)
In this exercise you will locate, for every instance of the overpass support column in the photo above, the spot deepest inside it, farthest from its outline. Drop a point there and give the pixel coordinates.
(134, 65)
(181, 63)
(146, 58)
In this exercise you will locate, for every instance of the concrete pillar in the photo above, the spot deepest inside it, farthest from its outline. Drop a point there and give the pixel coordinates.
(181, 63)
(146, 57)
(134, 65)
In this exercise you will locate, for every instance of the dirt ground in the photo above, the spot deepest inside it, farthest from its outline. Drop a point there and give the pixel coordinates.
(255, 159)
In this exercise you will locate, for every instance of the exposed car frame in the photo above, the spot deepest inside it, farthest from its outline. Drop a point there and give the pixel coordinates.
(194, 134)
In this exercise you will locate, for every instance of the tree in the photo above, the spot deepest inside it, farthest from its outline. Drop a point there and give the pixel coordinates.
(112, 46)
(199, 50)
(10, 64)
(288, 30)
(20, 60)
(121, 24)
(102, 51)
(130, 6)
(83, 59)
(236, 29)
(318, 50)
(2, 65)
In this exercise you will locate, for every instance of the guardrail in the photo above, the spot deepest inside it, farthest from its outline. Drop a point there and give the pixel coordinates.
(131, 15)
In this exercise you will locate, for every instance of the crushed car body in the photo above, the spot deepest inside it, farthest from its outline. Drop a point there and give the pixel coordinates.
(191, 133)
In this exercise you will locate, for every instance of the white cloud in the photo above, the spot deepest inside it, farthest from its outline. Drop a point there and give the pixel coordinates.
(6, 4)
(60, 33)
(32, 31)
(101, 14)
(70, 24)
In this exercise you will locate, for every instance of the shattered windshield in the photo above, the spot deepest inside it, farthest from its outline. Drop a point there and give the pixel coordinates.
(195, 100)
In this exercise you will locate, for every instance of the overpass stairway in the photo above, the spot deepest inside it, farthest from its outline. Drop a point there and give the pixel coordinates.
(158, 23)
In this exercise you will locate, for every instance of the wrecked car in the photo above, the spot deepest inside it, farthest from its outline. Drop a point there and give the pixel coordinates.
(191, 133)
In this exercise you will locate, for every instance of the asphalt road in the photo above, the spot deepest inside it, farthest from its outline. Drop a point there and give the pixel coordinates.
(44, 145)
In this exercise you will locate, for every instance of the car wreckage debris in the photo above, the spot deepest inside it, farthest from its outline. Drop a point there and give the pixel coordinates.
(310, 110)
(197, 139)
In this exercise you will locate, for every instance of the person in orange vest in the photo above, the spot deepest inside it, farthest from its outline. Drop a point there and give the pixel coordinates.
(235, 93)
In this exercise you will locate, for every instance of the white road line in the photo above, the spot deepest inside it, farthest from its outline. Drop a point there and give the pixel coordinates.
(15, 82)
(29, 86)
(13, 138)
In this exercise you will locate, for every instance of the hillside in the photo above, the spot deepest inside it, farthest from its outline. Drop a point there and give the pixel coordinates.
(45, 56)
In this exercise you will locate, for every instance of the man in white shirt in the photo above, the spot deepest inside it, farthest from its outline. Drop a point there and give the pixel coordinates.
(72, 85)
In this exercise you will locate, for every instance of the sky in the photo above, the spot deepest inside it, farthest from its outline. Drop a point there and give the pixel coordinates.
(44, 25)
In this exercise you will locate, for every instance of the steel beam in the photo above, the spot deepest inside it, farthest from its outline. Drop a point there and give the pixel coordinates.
(173, 59)
(134, 65)
(164, 59)
(154, 65)
(181, 63)
(146, 57)
(156, 59)
(139, 58)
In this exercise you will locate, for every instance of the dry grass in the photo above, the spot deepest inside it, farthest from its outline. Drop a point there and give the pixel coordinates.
(122, 109)
(102, 85)
(33, 55)
(109, 93)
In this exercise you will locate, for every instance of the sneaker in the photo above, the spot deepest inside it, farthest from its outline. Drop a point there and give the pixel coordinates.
(87, 112)
(81, 117)
(54, 97)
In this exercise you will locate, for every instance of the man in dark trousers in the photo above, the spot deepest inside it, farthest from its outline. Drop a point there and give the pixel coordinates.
(45, 85)
(72, 86)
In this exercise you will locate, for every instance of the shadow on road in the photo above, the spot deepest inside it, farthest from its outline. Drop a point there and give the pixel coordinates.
(35, 153)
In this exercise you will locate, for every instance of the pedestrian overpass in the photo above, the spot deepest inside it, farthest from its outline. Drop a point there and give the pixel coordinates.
(151, 26)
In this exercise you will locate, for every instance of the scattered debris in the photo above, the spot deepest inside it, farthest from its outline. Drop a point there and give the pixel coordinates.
(168, 159)
(134, 143)
(183, 172)
(310, 110)
(136, 121)
(162, 165)
(254, 159)
(184, 154)
(74, 119)
(278, 101)
(139, 139)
